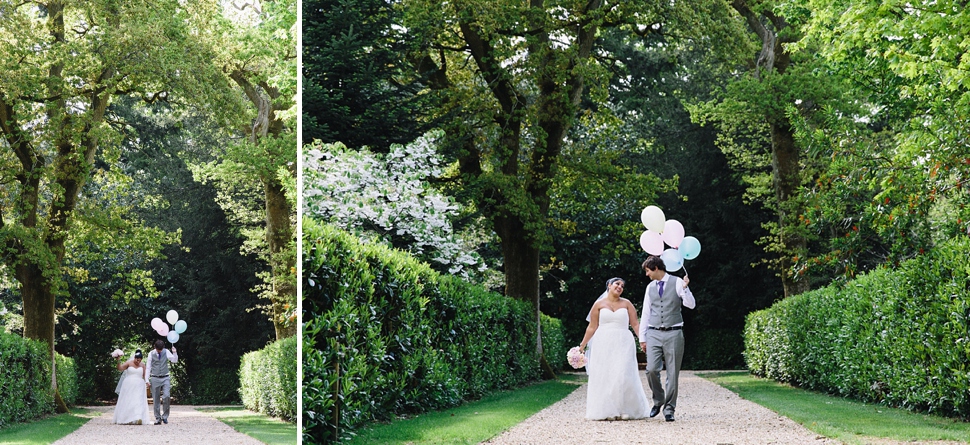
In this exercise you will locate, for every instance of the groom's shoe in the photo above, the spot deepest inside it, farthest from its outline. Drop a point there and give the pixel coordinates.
(669, 417)
(165, 421)
(654, 411)
(158, 422)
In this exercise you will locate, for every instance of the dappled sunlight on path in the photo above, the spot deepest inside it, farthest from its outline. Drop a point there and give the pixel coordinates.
(185, 426)
(706, 414)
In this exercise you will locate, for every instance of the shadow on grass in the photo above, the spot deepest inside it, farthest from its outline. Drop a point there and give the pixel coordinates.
(843, 419)
(258, 426)
(46, 430)
(470, 423)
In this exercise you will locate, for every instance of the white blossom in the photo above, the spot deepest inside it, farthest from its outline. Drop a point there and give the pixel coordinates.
(375, 196)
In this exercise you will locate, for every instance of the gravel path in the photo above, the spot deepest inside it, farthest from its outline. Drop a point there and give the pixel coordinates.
(185, 426)
(706, 414)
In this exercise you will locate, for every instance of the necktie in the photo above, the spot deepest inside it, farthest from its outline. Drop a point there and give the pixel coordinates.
(660, 288)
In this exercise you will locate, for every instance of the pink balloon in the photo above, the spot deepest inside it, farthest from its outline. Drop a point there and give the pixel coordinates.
(673, 233)
(651, 242)
(157, 323)
(163, 330)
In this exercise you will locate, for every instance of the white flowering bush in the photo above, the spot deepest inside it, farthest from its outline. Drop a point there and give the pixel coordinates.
(388, 198)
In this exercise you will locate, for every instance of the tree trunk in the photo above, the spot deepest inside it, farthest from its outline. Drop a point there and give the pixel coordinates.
(279, 235)
(522, 275)
(786, 178)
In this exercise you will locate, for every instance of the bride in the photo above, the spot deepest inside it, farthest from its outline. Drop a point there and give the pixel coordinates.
(132, 407)
(614, 390)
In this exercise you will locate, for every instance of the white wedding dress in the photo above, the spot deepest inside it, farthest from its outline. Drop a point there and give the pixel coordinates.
(132, 407)
(614, 389)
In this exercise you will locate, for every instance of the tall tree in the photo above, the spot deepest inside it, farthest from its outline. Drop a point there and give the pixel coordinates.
(62, 65)
(754, 118)
(262, 63)
(515, 74)
(357, 87)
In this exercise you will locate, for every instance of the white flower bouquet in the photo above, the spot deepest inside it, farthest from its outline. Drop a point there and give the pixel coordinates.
(576, 358)
(117, 353)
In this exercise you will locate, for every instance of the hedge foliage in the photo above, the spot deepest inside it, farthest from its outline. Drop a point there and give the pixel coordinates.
(25, 379)
(895, 336)
(267, 379)
(385, 335)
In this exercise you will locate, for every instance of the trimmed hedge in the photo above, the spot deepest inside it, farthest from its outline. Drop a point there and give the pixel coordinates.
(385, 335)
(25, 379)
(554, 342)
(895, 336)
(267, 379)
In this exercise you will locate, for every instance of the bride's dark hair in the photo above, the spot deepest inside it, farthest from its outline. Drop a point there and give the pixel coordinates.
(138, 353)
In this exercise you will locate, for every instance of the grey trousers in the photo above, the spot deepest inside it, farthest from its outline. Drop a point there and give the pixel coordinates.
(161, 388)
(664, 347)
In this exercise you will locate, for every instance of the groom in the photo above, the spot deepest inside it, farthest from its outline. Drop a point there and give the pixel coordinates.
(661, 332)
(160, 382)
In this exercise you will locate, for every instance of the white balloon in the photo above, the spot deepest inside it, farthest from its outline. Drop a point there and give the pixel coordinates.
(172, 316)
(653, 219)
(651, 242)
(673, 260)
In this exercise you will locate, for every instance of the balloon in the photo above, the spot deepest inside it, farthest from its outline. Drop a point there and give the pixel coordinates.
(172, 316)
(690, 247)
(162, 330)
(673, 233)
(173, 337)
(180, 326)
(651, 242)
(157, 323)
(673, 260)
(653, 219)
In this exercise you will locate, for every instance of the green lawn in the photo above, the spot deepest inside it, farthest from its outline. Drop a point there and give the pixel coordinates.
(46, 430)
(470, 423)
(263, 428)
(843, 419)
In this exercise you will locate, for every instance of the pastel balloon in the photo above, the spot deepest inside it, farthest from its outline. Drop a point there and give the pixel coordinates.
(690, 247)
(173, 337)
(157, 323)
(673, 260)
(162, 330)
(172, 316)
(653, 219)
(673, 232)
(651, 242)
(180, 326)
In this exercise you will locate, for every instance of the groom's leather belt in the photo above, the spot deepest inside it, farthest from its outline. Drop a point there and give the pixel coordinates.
(672, 328)
(160, 376)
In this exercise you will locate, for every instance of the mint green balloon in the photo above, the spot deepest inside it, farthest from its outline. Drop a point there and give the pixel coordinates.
(180, 326)
(690, 247)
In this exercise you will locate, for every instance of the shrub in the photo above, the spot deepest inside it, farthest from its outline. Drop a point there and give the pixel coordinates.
(267, 379)
(67, 381)
(385, 335)
(216, 386)
(894, 336)
(554, 342)
(25, 379)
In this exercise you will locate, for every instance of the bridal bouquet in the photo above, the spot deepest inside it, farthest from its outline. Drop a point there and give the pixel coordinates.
(117, 353)
(576, 358)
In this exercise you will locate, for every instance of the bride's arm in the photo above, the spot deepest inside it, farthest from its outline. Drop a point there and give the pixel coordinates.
(634, 323)
(594, 323)
(122, 366)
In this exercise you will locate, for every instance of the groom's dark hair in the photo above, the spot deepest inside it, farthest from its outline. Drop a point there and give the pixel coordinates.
(159, 344)
(653, 262)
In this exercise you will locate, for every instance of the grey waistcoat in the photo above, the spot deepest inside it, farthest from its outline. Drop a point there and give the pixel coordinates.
(159, 364)
(665, 309)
